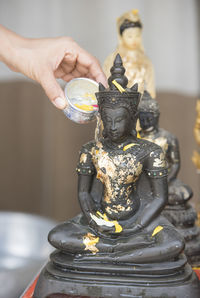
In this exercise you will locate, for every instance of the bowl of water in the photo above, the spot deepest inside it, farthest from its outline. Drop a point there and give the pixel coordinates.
(82, 104)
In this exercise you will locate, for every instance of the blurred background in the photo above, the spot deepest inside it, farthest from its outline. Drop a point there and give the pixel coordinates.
(39, 145)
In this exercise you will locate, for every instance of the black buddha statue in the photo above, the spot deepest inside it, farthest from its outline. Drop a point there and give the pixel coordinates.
(178, 211)
(120, 245)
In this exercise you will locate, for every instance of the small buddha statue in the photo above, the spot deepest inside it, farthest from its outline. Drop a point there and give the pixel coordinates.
(139, 68)
(178, 210)
(119, 245)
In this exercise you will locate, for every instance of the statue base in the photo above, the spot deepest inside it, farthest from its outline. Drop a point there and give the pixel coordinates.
(62, 277)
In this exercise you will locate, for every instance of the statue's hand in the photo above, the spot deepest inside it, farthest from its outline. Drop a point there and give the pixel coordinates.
(106, 230)
(100, 224)
(133, 229)
(102, 231)
(88, 206)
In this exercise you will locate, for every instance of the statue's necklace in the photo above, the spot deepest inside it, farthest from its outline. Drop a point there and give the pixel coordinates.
(123, 146)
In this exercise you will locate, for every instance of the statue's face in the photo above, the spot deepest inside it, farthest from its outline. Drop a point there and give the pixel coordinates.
(132, 38)
(148, 120)
(117, 123)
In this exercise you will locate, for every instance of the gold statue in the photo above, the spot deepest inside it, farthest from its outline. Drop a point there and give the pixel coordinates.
(139, 68)
(196, 154)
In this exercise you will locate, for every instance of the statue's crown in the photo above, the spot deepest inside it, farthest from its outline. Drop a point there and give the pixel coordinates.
(118, 93)
(148, 104)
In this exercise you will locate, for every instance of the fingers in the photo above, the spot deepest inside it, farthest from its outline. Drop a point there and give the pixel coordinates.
(97, 73)
(66, 60)
(79, 63)
(92, 65)
(69, 62)
(53, 90)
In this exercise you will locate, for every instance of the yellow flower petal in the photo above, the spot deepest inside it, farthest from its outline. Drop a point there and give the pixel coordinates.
(94, 241)
(129, 146)
(105, 217)
(135, 11)
(90, 95)
(118, 227)
(84, 107)
(119, 87)
(138, 135)
(99, 213)
(157, 230)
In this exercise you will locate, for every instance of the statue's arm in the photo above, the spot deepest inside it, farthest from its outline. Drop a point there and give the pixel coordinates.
(86, 171)
(159, 189)
(174, 159)
(90, 190)
(156, 172)
(87, 204)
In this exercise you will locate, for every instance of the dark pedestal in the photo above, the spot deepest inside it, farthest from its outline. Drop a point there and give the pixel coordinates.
(136, 281)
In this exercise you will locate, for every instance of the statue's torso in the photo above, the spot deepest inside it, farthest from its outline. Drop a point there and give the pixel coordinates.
(119, 171)
(136, 65)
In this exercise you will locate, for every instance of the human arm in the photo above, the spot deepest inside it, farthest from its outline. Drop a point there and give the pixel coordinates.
(47, 59)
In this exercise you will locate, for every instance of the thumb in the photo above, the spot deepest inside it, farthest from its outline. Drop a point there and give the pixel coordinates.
(53, 90)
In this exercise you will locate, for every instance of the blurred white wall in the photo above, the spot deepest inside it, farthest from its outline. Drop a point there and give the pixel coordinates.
(171, 33)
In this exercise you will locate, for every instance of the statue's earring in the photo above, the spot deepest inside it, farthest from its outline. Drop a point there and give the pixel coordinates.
(104, 134)
(134, 121)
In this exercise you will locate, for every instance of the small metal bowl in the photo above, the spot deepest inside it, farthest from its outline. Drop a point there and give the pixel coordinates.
(76, 89)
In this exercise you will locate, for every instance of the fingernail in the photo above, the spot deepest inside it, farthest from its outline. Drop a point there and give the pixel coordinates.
(60, 102)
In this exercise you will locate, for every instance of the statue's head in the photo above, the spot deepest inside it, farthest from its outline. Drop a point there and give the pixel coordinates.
(148, 112)
(118, 104)
(130, 29)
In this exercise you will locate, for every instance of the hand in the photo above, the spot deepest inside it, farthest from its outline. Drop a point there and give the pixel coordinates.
(137, 227)
(97, 224)
(106, 230)
(44, 60)
(88, 206)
